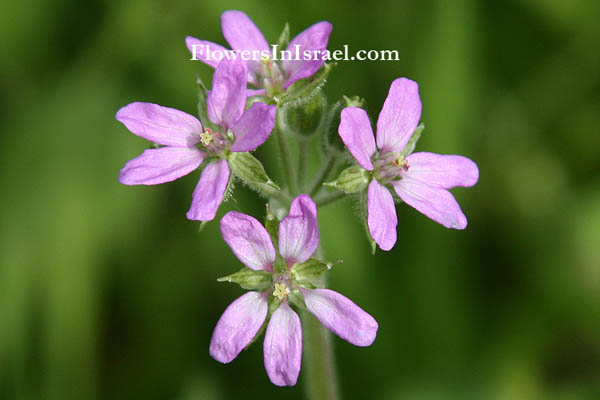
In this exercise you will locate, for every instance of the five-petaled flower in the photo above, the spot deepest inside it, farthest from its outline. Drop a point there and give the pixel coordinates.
(421, 180)
(187, 144)
(298, 239)
(265, 74)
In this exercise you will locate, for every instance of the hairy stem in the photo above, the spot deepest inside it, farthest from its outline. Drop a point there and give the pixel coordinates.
(285, 158)
(319, 370)
(321, 176)
(329, 198)
(304, 148)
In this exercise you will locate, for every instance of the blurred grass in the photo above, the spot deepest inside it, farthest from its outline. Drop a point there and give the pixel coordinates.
(108, 291)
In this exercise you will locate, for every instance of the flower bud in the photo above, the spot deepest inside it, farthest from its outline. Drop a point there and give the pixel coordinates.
(249, 279)
(331, 138)
(305, 118)
(250, 170)
(351, 180)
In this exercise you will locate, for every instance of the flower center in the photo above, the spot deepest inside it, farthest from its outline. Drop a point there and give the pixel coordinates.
(390, 167)
(213, 142)
(269, 74)
(281, 291)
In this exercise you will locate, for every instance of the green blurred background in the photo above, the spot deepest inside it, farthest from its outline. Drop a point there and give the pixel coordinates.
(108, 292)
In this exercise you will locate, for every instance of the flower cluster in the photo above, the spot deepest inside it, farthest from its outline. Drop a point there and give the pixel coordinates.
(250, 100)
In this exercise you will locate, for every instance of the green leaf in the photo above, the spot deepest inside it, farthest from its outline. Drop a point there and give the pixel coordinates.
(250, 279)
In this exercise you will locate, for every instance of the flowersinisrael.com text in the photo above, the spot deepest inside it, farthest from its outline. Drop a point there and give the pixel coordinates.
(204, 52)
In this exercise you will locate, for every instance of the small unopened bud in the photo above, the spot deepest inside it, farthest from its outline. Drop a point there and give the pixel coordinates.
(351, 180)
(305, 118)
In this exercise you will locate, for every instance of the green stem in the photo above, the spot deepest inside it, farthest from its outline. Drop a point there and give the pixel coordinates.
(329, 198)
(304, 148)
(320, 373)
(286, 159)
(268, 192)
(319, 369)
(321, 176)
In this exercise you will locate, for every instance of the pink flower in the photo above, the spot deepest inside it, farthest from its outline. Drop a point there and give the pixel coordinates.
(187, 144)
(421, 180)
(243, 319)
(241, 34)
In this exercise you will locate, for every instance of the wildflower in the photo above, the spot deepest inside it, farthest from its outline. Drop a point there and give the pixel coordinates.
(187, 144)
(421, 180)
(265, 74)
(298, 238)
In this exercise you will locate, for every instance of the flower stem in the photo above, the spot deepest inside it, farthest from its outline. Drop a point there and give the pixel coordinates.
(329, 198)
(320, 375)
(285, 158)
(321, 176)
(304, 147)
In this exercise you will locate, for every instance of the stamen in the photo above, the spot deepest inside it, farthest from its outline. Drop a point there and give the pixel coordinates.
(206, 137)
(280, 291)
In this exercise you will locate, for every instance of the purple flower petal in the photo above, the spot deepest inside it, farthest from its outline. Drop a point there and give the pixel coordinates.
(209, 192)
(313, 38)
(444, 171)
(435, 202)
(227, 99)
(399, 116)
(248, 240)
(241, 33)
(238, 325)
(341, 316)
(299, 231)
(356, 133)
(162, 125)
(254, 127)
(162, 165)
(283, 346)
(381, 218)
(208, 52)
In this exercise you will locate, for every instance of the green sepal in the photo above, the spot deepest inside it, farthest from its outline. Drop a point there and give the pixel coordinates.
(272, 226)
(410, 146)
(279, 266)
(202, 110)
(303, 89)
(284, 37)
(249, 279)
(308, 274)
(202, 225)
(351, 180)
(296, 298)
(250, 170)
